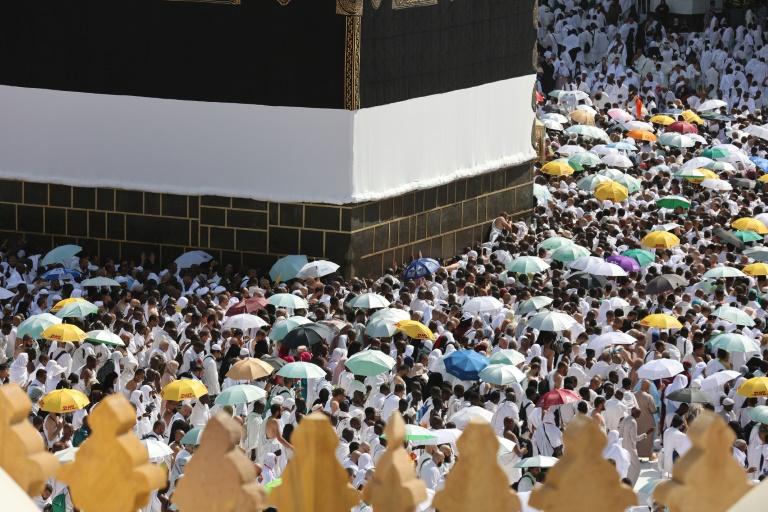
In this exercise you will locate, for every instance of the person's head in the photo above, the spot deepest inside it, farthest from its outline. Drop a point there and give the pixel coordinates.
(5, 371)
(186, 411)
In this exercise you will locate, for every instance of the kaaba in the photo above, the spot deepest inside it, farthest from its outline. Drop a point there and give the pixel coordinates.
(360, 131)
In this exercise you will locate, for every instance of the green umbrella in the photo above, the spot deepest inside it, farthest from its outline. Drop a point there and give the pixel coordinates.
(35, 325)
(240, 394)
(733, 342)
(192, 437)
(574, 166)
(288, 300)
(527, 264)
(747, 236)
(282, 328)
(715, 153)
(60, 254)
(555, 242)
(586, 158)
(416, 433)
(639, 255)
(287, 268)
(673, 202)
(570, 253)
(759, 414)
(301, 370)
(589, 183)
(632, 183)
(533, 304)
(508, 356)
(501, 374)
(277, 482)
(539, 461)
(734, 315)
(77, 310)
(105, 337)
(369, 363)
(690, 173)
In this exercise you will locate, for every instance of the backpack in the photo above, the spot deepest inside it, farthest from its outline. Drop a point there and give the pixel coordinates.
(587, 47)
(526, 475)
(524, 417)
(59, 503)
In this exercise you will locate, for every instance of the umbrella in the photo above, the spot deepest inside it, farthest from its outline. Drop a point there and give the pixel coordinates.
(625, 262)
(711, 105)
(61, 273)
(760, 162)
(539, 461)
(382, 323)
(421, 267)
(589, 183)
(755, 387)
(462, 418)
(583, 263)
(60, 254)
(240, 394)
(555, 242)
(661, 321)
(105, 337)
(465, 364)
(719, 379)
(335, 325)
(35, 325)
(728, 237)
(588, 281)
(192, 437)
(714, 154)
(643, 135)
(583, 117)
(244, 322)
(480, 305)
(637, 125)
(606, 269)
(156, 449)
(759, 414)
(598, 343)
(250, 369)
(747, 236)
(6, 294)
(623, 146)
(533, 304)
(247, 306)
(183, 389)
(682, 127)
(317, 269)
(417, 433)
(283, 327)
(673, 202)
(100, 281)
(443, 436)
(507, 356)
(66, 302)
(77, 310)
(306, 335)
(369, 301)
(603, 149)
(660, 369)
(662, 120)
(757, 253)
(557, 168)
(620, 116)
(723, 271)
(570, 253)
(632, 184)
(62, 401)
(192, 258)
(689, 396)
(617, 161)
(757, 131)
(527, 264)
(695, 163)
(541, 193)
(552, 321)
(734, 315)
(558, 397)
(585, 159)
(664, 283)
(501, 375)
(719, 185)
(733, 342)
(611, 191)
(288, 300)
(274, 362)
(660, 240)
(554, 116)
(287, 267)
(301, 370)
(67, 455)
(64, 333)
(414, 329)
(749, 224)
(552, 125)
(756, 269)
(642, 257)
(675, 140)
(369, 363)
(573, 96)
(558, 109)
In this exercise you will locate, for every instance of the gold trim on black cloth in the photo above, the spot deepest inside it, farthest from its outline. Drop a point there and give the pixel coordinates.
(405, 4)
(352, 64)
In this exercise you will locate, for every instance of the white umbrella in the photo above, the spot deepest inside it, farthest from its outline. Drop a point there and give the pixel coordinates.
(573, 96)
(617, 160)
(719, 379)
(612, 174)
(605, 269)
(660, 369)
(188, 259)
(600, 149)
(443, 436)
(553, 321)
(618, 302)
(382, 323)
(570, 149)
(369, 301)
(67, 455)
(552, 125)
(6, 294)
(505, 446)
(464, 416)
(156, 449)
(244, 322)
(106, 337)
(669, 226)
(485, 304)
(620, 116)
(719, 185)
(695, 163)
(757, 131)
(639, 125)
(587, 108)
(554, 116)
(711, 105)
(598, 343)
(695, 137)
(586, 261)
(317, 269)
(100, 281)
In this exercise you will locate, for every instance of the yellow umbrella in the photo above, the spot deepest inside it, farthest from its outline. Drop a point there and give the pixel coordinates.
(63, 400)
(756, 269)
(414, 329)
(757, 386)
(708, 174)
(557, 168)
(691, 117)
(642, 135)
(750, 224)
(250, 369)
(611, 191)
(663, 120)
(660, 240)
(583, 117)
(661, 321)
(764, 177)
(64, 332)
(184, 389)
(66, 302)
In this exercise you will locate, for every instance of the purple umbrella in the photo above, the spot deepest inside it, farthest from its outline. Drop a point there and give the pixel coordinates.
(625, 262)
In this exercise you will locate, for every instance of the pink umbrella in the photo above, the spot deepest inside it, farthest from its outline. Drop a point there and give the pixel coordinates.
(625, 262)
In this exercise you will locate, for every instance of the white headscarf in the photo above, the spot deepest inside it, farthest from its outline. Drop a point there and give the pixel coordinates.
(614, 451)
(698, 370)
(434, 359)
(680, 382)
(18, 370)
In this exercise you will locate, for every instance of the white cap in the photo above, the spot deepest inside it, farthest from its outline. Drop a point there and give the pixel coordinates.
(216, 348)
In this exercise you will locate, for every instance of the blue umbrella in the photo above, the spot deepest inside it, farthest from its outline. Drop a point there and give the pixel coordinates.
(59, 273)
(760, 162)
(465, 364)
(60, 254)
(622, 145)
(420, 268)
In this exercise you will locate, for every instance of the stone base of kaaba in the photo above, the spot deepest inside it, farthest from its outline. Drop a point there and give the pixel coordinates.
(364, 238)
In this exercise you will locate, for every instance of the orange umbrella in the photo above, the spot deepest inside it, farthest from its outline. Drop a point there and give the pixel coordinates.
(642, 135)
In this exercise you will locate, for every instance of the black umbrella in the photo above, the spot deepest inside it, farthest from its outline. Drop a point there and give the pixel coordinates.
(307, 334)
(664, 283)
(742, 183)
(729, 238)
(689, 396)
(585, 280)
(274, 362)
(555, 109)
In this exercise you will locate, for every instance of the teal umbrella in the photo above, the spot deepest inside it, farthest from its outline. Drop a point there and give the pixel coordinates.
(369, 301)
(555, 242)
(77, 310)
(100, 281)
(585, 158)
(723, 271)
(369, 363)
(192, 437)
(639, 255)
(60, 254)
(301, 370)
(589, 183)
(36, 324)
(284, 327)
(288, 300)
(733, 342)
(105, 337)
(673, 202)
(570, 253)
(734, 315)
(632, 183)
(501, 374)
(240, 394)
(759, 414)
(507, 356)
(747, 236)
(533, 304)
(527, 264)
(715, 153)
(758, 253)
(287, 268)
